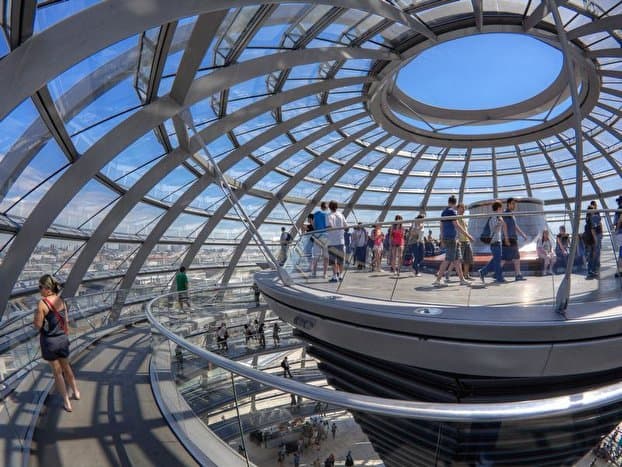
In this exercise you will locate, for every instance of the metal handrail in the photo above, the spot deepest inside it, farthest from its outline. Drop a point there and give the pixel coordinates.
(432, 411)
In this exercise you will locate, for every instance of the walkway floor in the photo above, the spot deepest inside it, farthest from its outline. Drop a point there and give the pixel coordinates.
(384, 285)
(117, 421)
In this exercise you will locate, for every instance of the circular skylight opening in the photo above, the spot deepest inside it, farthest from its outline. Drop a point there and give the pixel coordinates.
(483, 71)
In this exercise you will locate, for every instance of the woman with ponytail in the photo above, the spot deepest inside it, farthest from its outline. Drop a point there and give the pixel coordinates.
(51, 319)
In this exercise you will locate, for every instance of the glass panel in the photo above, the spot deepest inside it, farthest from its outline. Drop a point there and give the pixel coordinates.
(13, 126)
(171, 187)
(51, 256)
(55, 12)
(134, 161)
(62, 84)
(112, 258)
(45, 163)
(185, 225)
(89, 201)
(140, 220)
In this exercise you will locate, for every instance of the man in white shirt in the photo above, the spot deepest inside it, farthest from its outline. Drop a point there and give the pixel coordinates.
(336, 249)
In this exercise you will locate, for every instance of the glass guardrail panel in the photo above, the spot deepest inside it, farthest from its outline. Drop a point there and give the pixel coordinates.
(370, 267)
(595, 269)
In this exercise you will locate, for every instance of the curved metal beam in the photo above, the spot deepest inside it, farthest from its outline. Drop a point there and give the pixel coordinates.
(73, 102)
(370, 177)
(435, 172)
(46, 56)
(291, 183)
(465, 172)
(563, 292)
(282, 156)
(147, 118)
(174, 159)
(558, 178)
(398, 185)
(524, 171)
(202, 183)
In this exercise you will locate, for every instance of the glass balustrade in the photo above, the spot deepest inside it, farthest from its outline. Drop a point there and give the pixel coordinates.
(235, 385)
(372, 268)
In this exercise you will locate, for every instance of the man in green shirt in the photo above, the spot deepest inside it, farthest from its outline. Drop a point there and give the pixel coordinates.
(181, 281)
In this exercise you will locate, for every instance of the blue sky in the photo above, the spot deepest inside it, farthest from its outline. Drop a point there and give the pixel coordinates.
(482, 71)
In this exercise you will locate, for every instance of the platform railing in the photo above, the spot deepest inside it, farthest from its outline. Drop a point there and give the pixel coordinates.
(410, 278)
(246, 400)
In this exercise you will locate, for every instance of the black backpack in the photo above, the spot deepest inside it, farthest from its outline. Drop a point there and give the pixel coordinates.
(486, 236)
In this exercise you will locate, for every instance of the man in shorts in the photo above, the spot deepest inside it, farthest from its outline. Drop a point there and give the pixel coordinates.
(510, 252)
(319, 240)
(449, 233)
(336, 248)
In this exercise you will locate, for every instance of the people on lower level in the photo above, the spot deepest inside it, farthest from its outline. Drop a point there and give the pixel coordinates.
(285, 366)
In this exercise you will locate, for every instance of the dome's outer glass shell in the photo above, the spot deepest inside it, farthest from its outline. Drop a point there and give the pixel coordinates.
(103, 183)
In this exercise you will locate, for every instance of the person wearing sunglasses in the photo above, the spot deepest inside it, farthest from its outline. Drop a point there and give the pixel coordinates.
(51, 319)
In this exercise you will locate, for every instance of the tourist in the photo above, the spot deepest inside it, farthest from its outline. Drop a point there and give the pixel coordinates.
(544, 248)
(359, 241)
(562, 247)
(449, 231)
(465, 245)
(397, 245)
(592, 237)
(334, 237)
(415, 243)
(498, 232)
(510, 250)
(377, 237)
(284, 241)
(181, 283)
(285, 366)
(52, 321)
(320, 222)
(276, 339)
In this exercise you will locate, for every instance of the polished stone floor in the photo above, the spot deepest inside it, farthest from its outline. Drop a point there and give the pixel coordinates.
(349, 437)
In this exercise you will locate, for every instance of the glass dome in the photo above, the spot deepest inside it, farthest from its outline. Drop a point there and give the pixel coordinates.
(108, 137)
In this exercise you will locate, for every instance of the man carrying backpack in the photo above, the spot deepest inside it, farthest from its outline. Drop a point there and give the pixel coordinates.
(498, 230)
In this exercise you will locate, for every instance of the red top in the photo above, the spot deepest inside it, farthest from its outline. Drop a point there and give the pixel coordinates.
(397, 236)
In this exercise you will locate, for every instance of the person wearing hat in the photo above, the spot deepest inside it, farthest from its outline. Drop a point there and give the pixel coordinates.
(617, 229)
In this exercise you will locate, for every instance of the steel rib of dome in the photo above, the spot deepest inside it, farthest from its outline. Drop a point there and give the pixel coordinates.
(103, 183)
